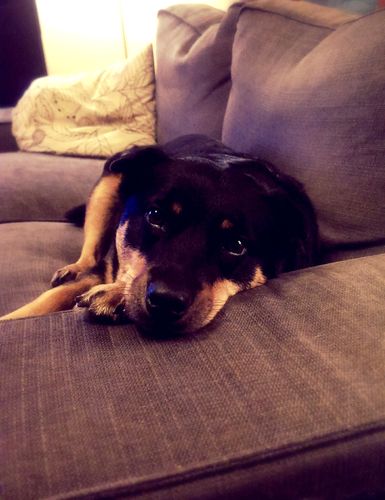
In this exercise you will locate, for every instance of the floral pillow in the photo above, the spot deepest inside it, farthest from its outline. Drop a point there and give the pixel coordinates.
(91, 114)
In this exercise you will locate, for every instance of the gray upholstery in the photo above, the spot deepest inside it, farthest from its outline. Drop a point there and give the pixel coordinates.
(313, 97)
(193, 58)
(289, 371)
(30, 252)
(282, 396)
(43, 187)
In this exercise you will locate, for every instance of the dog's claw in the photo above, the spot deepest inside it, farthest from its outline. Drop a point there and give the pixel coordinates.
(86, 299)
(67, 273)
(62, 276)
(80, 302)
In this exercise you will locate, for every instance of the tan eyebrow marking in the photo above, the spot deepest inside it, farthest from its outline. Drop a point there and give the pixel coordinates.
(226, 224)
(176, 208)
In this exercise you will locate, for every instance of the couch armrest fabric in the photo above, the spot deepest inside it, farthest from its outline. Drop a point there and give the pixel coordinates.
(193, 58)
(283, 393)
(43, 187)
(308, 94)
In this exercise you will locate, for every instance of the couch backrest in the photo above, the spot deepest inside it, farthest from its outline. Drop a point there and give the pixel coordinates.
(307, 93)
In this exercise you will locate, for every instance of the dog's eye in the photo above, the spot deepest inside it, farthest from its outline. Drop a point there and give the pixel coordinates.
(155, 218)
(234, 246)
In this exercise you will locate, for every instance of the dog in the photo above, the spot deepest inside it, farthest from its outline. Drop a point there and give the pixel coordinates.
(194, 223)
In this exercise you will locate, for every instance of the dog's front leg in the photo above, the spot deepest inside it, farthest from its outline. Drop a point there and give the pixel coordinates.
(60, 298)
(102, 216)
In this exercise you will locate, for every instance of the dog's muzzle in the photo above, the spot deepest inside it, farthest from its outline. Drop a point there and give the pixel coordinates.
(166, 304)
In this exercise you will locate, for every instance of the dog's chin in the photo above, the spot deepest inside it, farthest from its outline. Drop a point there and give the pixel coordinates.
(162, 328)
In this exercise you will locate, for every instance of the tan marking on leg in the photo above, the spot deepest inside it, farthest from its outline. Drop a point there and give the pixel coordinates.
(101, 218)
(102, 215)
(108, 273)
(56, 299)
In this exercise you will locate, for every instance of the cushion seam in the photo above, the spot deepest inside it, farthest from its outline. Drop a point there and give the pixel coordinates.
(300, 21)
(186, 23)
(20, 221)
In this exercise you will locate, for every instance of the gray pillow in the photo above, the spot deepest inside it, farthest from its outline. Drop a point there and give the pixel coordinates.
(308, 94)
(193, 58)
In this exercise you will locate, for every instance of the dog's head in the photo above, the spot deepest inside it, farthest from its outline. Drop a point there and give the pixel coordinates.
(198, 229)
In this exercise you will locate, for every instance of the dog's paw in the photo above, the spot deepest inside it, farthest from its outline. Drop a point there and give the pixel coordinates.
(66, 273)
(104, 301)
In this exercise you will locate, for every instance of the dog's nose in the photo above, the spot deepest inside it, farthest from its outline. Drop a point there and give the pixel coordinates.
(166, 303)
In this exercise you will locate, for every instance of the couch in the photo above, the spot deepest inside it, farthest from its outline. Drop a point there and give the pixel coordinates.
(283, 395)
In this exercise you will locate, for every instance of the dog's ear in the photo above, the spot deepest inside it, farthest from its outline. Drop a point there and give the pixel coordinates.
(137, 166)
(295, 233)
(292, 239)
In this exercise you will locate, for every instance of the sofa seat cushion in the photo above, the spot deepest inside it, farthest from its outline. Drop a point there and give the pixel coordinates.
(43, 187)
(308, 94)
(281, 397)
(30, 252)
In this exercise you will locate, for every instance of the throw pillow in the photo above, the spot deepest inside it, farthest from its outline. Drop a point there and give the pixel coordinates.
(92, 114)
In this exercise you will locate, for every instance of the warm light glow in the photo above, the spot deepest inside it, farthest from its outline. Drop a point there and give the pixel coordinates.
(80, 35)
(83, 35)
(139, 19)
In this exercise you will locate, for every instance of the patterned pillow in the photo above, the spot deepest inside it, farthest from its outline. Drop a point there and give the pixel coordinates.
(92, 114)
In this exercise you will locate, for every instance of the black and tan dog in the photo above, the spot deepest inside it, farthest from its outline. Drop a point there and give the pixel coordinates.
(194, 223)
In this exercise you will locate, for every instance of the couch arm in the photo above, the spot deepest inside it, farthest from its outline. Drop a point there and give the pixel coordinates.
(281, 397)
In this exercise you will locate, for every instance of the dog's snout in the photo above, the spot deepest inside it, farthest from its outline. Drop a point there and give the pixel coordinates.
(166, 303)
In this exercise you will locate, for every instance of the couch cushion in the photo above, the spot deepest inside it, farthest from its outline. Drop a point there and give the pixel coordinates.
(351, 252)
(30, 252)
(43, 187)
(308, 94)
(193, 57)
(282, 397)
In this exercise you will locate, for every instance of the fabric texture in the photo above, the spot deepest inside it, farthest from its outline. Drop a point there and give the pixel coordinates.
(43, 187)
(30, 252)
(193, 58)
(282, 396)
(7, 141)
(92, 114)
(361, 6)
(283, 391)
(313, 97)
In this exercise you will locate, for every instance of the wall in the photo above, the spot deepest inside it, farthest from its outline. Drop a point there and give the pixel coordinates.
(21, 53)
(84, 35)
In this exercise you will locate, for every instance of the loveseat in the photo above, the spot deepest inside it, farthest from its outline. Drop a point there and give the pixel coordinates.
(283, 395)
